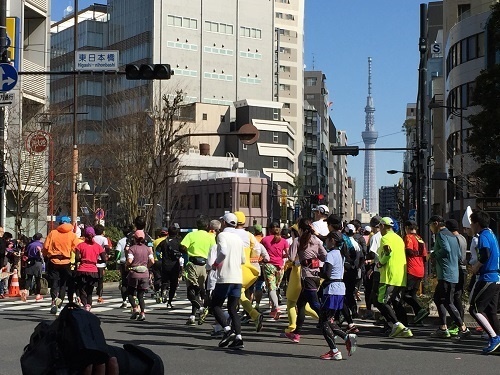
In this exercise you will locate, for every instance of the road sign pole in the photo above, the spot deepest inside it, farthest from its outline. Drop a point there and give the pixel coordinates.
(3, 59)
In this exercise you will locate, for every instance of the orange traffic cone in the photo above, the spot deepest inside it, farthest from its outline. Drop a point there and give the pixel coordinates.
(14, 286)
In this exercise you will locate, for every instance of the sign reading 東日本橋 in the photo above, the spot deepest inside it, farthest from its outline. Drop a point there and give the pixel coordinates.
(96, 60)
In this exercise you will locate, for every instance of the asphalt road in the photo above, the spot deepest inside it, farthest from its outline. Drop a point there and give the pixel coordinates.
(191, 350)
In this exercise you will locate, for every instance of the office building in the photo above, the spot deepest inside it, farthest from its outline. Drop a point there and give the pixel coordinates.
(25, 205)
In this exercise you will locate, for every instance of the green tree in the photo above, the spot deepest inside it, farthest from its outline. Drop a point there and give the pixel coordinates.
(484, 140)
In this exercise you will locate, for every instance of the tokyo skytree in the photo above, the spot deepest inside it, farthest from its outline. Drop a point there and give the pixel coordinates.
(370, 193)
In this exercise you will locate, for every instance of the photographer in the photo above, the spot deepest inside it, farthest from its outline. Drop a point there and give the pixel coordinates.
(74, 343)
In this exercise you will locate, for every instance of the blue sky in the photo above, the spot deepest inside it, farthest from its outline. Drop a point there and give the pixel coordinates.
(340, 35)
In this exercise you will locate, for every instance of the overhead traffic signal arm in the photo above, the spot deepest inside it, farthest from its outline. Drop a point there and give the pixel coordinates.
(354, 150)
(148, 72)
(344, 150)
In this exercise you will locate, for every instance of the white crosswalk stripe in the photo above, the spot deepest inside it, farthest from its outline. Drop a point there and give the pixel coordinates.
(181, 306)
(109, 304)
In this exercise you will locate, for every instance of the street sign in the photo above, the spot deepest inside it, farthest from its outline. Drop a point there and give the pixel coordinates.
(37, 142)
(6, 98)
(8, 77)
(96, 60)
(412, 215)
(99, 214)
(489, 204)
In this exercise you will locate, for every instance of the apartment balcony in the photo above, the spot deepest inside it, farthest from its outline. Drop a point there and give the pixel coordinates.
(41, 5)
(34, 86)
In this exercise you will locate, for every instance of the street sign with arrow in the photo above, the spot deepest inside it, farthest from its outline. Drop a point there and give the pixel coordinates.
(8, 77)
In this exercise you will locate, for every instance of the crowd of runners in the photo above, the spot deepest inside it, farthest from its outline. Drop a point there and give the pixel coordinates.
(319, 267)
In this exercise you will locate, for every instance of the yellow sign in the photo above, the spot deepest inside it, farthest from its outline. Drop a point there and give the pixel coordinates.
(12, 34)
(284, 194)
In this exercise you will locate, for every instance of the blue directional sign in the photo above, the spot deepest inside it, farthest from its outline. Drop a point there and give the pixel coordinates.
(8, 77)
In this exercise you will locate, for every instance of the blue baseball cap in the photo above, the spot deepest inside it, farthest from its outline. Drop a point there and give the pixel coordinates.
(65, 220)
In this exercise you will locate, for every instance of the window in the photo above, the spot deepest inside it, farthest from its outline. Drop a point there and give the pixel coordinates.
(219, 200)
(205, 116)
(244, 200)
(275, 162)
(256, 200)
(311, 81)
(284, 87)
(251, 80)
(211, 200)
(480, 45)
(219, 51)
(196, 201)
(284, 69)
(472, 47)
(250, 32)
(463, 11)
(251, 55)
(222, 77)
(286, 105)
(289, 17)
(285, 50)
(176, 21)
(217, 27)
(276, 114)
(227, 200)
(279, 15)
(309, 96)
(275, 137)
(186, 46)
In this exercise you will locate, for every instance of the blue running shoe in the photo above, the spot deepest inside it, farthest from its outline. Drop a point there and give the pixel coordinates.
(493, 345)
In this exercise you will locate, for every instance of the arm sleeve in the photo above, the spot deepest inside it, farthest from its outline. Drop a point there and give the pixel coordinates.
(221, 249)
(473, 251)
(483, 255)
(212, 255)
(292, 252)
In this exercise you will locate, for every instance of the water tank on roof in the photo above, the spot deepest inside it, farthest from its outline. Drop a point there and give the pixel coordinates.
(204, 149)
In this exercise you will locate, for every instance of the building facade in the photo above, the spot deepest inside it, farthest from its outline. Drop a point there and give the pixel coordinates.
(316, 134)
(24, 205)
(464, 56)
(388, 201)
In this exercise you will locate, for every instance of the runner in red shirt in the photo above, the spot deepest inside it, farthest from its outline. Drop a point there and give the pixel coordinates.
(416, 254)
(87, 274)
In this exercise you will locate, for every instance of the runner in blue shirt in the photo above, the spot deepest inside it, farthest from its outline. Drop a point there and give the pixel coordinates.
(484, 295)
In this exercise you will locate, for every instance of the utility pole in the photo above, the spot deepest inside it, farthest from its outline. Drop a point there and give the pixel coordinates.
(74, 158)
(422, 142)
(3, 59)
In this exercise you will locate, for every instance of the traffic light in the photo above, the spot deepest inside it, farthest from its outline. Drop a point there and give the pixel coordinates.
(148, 72)
(344, 150)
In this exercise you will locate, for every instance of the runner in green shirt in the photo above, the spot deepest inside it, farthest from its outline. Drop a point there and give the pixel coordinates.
(197, 246)
(392, 266)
